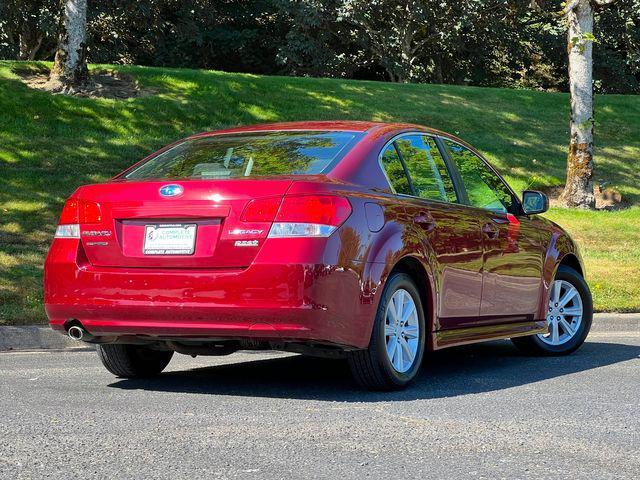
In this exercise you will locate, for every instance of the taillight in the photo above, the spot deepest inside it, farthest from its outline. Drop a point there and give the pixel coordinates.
(69, 212)
(320, 209)
(299, 215)
(74, 213)
(89, 212)
(261, 210)
(310, 216)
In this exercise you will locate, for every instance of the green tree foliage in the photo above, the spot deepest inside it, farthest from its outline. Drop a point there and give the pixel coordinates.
(230, 35)
(513, 43)
(482, 42)
(28, 28)
(617, 51)
(316, 43)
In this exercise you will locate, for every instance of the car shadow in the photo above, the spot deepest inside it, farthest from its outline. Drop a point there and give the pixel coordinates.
(457, 371)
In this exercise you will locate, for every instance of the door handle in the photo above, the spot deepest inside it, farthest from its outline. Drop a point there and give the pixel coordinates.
(425, 220)
(490, 230)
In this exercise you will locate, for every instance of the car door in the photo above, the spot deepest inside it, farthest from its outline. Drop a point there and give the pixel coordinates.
(418, 173)
(512, 265)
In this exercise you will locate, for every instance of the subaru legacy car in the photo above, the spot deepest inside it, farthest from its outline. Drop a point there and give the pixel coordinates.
(367, 241)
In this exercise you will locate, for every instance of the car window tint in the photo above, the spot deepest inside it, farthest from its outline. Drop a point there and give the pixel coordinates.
(395, 171)
(426, 168)
(484, 188)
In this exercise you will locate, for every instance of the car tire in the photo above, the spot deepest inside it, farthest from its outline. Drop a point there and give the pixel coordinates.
(540, 344)
(372, 368)
(131, 361)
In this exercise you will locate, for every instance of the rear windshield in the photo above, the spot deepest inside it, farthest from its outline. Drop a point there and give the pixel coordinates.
(248, 154)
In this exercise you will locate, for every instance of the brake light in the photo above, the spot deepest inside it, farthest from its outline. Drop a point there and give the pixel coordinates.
(74, 213)
(69, 212)
(261, 210)
(320, 209)
(89, 212)
(310, 216)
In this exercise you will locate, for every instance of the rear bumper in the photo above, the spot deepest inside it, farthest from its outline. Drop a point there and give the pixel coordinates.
(290, 302)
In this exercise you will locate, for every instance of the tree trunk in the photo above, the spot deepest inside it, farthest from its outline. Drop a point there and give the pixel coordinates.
(439, 77)
(578, 191)
(70, 66)
(30, 44)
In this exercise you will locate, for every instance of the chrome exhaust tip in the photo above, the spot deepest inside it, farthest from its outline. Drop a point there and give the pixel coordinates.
(75, 332)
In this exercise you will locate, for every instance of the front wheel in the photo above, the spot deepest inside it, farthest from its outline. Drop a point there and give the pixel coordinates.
(397, 343)
(569, 316)
(133, 360)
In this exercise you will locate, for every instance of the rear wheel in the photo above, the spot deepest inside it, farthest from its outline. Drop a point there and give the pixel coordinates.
(569, 316)
(133, 360)
(397, 343)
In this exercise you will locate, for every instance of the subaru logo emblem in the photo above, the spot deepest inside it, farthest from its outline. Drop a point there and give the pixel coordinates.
(171, 190)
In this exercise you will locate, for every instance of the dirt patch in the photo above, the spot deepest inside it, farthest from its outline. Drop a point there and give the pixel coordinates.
(606, 198)
(101, 84)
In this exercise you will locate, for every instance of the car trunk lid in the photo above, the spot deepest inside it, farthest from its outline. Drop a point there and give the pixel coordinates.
(196, 226)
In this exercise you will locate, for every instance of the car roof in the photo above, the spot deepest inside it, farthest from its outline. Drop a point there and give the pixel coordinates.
(325, 125)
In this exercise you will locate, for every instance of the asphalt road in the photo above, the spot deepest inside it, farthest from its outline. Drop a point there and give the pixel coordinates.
(482, 411)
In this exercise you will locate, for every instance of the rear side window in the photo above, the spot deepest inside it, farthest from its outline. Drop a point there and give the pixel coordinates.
(484, 188)
(395, 171)
(426, 167)
(248, 154)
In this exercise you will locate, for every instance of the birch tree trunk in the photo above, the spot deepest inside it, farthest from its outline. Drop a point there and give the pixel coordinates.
(70, 66)
(578, 191)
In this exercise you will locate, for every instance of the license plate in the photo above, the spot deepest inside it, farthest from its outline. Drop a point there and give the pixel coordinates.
(169, 239)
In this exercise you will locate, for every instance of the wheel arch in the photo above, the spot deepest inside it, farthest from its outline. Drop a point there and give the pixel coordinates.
(571, 260)
(391, 252)
(561, 250)
(413, 267)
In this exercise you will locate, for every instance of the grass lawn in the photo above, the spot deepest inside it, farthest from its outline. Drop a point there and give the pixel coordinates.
(49, 145)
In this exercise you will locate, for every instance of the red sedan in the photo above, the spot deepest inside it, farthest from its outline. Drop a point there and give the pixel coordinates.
(368, 241)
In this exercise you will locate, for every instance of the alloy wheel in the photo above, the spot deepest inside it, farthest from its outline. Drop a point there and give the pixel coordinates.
(402, 331)
(564, 314)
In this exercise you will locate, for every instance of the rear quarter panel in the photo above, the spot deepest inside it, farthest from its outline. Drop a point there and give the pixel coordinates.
(371, 250)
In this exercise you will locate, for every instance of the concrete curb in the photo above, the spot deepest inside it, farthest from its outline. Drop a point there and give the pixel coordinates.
(616, 322)
(41, 337)
(36, 337)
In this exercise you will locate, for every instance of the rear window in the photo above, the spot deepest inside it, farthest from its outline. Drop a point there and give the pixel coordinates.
(248, 154)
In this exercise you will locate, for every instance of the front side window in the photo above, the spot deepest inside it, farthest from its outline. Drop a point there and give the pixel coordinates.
(426, 168)
(248, 154)
(484, 188)
(395, 171)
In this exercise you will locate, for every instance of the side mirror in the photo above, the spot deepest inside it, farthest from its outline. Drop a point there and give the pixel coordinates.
(534, 202)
